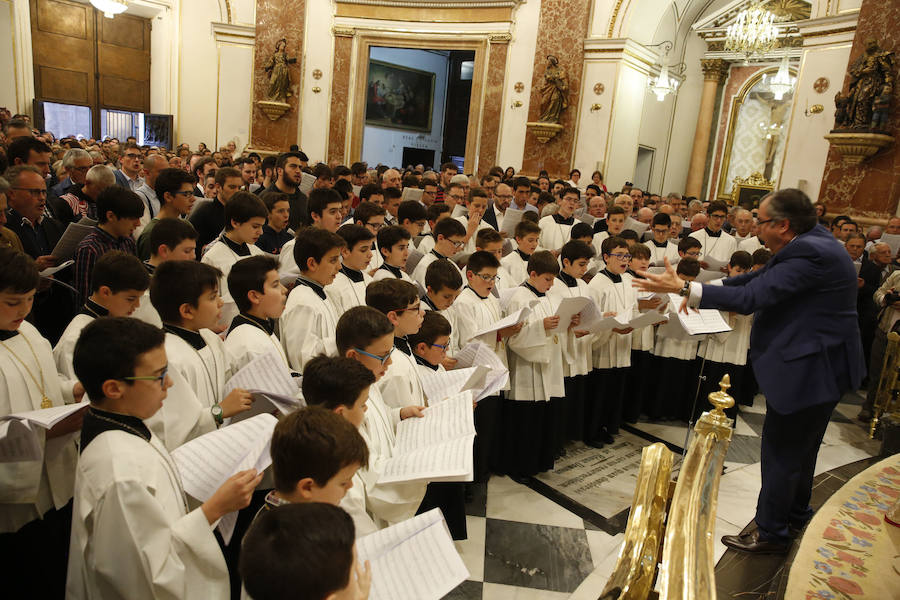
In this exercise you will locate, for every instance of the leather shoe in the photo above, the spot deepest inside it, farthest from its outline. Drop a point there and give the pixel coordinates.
(594, 443)
(753, 544)
(606, 437)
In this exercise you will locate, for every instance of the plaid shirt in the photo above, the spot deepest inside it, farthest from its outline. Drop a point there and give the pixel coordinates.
(93, 246)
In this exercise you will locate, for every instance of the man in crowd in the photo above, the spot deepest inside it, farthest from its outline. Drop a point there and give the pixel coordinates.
(288, 175)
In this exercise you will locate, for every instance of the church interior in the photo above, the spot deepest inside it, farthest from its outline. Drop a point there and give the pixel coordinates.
(672, 109)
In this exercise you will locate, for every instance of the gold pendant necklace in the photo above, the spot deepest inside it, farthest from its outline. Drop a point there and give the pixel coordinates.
(45, 401)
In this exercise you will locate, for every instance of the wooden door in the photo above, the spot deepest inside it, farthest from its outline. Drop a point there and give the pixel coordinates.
(123, 63)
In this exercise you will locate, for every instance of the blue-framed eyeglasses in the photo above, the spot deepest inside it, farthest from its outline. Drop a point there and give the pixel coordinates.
(381, 359)
(441, 346)
(161, 377)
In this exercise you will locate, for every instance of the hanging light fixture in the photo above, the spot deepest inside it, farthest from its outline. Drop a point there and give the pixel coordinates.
(110, 8)
(753, 33)
(663, 85)
(782, 83)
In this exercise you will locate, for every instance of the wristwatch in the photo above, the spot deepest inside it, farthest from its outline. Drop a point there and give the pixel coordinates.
(685, 290)
(216, 411)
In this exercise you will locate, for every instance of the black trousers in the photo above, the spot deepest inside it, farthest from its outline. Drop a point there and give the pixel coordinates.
(35, 558)
(790, 444)
(450, 497)
(487, 440)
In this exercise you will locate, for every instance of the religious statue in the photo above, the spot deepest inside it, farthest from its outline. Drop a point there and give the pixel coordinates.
(871, 81)
(279, 89)
(554, 92)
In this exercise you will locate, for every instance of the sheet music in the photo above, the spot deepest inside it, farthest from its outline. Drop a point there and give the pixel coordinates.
(505, 295)
(516, 317)
(413, 260)
(265, 373)
(714, 263)
(411, 193)
(587, 218)
(18, 443)
(87, 221)
(651, 317)
(478, 353)
(892, 240)
(636, 226)
(568, 308)
(452, 418)
(440, 385)
(705, 320)
(48, 417)
(206, 462)
(307, 182)
(511, 218)
(450, 460)
(356, 190)
(412, 560)
(53, 270)
(707, 275)
(65, 247)
(273, 404)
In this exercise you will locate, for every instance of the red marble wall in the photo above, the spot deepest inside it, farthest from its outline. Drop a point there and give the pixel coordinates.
(276, 19)
(340, 92)
(561, 32)
(871, 189)
(737, 77)
(493, 106)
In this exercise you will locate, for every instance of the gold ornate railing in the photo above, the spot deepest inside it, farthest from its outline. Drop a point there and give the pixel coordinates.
(887, 394)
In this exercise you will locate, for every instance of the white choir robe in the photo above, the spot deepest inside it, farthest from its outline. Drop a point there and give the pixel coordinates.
(470, 243)
(535, 357)
(515, 267)
(354, 504)
(657, 254)
(422, 370)
(418, 274)
(376, 261)
(206, 370)
(450, 314)
(741, 238)
(597, 242)
(247, 342)
(400, 385)
(28, 489)
(183, 415)
(344, 294)
(474, 313)
(670, 339)
(553, 235)
(642, 339)
(382, 273)
(729, 346)
(751, 245)
(146, 313)
(65, 347)
(288, 270)
(577, 357)
(720, 248)
(387, 503)
(426, 245)
(219, 255)
(132, 536)
(611, 349)
(307, 327)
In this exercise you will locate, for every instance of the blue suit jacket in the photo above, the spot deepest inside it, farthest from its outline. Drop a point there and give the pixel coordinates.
(805, 342)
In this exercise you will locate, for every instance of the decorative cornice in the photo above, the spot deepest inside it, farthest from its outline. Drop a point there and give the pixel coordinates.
(500, 38)
(235, 34)
(715, 69)
(612, 18)
(339, 31)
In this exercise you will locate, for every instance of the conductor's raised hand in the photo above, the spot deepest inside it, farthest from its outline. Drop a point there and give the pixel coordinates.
(667, 282)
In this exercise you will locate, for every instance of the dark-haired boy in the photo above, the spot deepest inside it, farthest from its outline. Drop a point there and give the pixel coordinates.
(36, 494)
(661, 247)
(443, 283)
(308, 547)
(716, 244)
(276, 232)
(260, 299)
(117, 285)
(392, 197)
(309, 319)
(349, 286)
(133, 533)
(175, 190)
(556, 228)
(411, 217)
(245, 215)
(170, 239)
(393, 243)
(449, 239)
(615, 225)
(119, 212)
(371, 216)
(325, 209)
(431, 344)
(515, 264)
(433, 214)
(640, 374)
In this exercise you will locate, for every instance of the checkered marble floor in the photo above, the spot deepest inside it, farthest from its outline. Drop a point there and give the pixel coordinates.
(530, 542)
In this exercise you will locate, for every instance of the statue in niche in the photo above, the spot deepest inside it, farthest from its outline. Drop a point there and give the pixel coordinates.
(554, 92)
(279, 89)
(867, 101)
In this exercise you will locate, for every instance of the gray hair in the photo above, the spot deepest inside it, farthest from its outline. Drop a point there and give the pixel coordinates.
(95, 154)
(673, 196)
(695, 204)
(878, 245)
(101, 175)
(69, 158)
(794, 206)
(4, 186)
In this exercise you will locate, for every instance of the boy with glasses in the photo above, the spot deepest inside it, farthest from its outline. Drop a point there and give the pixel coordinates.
(661, 247)
(175, 190)
(449, 239)
(716, 244)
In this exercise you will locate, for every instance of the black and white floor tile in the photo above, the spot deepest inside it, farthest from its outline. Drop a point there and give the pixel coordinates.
(559, 536)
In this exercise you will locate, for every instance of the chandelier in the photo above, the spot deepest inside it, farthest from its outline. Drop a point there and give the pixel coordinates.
(110, 8)
(663, 85)
(782, 83)
(753, 33)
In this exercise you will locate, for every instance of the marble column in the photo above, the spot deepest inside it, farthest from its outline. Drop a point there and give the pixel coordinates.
(715, 71)
(340, 93)
(493, 101)
(276, 19)
(870, 189)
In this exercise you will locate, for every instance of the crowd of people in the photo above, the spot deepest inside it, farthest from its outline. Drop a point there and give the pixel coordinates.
(197, 262)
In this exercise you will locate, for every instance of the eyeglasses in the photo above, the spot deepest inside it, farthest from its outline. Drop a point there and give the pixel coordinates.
(621, 256)
(503, 197)
(764, 221)
(161, 377)
(488, 278)
(32, 191)
(457, 198)
(416, 308)
(132, 155)
(184, 193)
(717, 216)
(441, 346)
(81, 169)
(457, 244)
(375, 225)
(381, 359)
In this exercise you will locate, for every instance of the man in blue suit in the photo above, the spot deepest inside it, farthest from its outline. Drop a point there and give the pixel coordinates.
(805, 348)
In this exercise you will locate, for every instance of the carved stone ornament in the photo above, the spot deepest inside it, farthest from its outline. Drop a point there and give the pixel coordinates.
(544, 132)
(854, 148)
(317, 74)
(714, 69)
(821, 85)
(554, 92)
(519, 87)
(599, 88)
(273, 110)
(278, 70)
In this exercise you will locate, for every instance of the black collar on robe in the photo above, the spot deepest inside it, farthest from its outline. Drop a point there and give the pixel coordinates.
(568, 279)
(430, 304)
(150, 268)
(267, 325)
(633, 274)
(94, 425)
(659, 244)
(523, 256)
(439, 255)
(6, 334)
(314, 286)
(395, 271)
(476, 293)
(352, 274)
(239, 249)
(92, 309)
(424, 362)
(612, 276)
(534, 291)
(191, 337)
(563, 221)
(402, 344)
(711, 234)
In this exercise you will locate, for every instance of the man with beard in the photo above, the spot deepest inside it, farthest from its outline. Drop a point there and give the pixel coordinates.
(288, 175)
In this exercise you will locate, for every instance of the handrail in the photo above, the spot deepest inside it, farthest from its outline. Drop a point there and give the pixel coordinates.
(635, 570)
(887, 392)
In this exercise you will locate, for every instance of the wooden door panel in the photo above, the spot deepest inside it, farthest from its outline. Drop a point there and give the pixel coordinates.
(62, 40)
(64, 18)
(124, 30)
(123, 94)
(61, 85)
(123, 62)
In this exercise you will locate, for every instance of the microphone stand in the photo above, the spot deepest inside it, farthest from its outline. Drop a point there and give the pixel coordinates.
(691, 420)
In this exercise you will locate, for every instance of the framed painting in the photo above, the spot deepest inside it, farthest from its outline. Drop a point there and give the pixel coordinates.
(399, 97)
(748, 192)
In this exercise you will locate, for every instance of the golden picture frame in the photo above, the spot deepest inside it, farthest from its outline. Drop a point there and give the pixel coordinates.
(399, 97)
(748, 192)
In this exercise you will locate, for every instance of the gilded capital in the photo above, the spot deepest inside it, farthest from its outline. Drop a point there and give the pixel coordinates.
(714, 69)
(339, 31)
